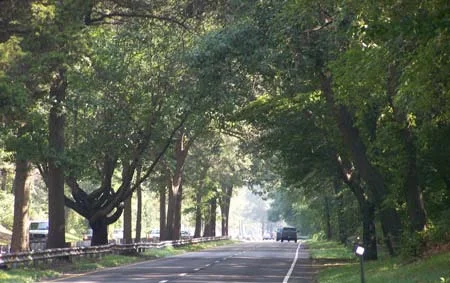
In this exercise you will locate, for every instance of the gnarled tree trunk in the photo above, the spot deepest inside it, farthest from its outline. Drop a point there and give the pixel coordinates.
(390, 219)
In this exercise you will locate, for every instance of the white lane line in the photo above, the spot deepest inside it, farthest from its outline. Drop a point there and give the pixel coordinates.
(286, 278)
(197, 269)
(217, 261)
(207, 265)
(182, 274)
(163, 281)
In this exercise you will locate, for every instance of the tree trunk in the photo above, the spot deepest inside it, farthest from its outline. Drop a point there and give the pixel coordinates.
(99, 232)
(127, 220)
(162, 214)
(389, 217)
(227, 191)
(177, 213)
(56, 231)
(139, 207)
(369, 232)
(20, 236)
(340, 208)
(414, 203)
(198, 202)
(366, 207)
(210, 226)
(328, 218)
(170, 213)
(198, 214)
(4, 179)
(213, 217)
(176, 189)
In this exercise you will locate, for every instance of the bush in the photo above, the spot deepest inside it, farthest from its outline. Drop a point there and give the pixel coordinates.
(413, 244)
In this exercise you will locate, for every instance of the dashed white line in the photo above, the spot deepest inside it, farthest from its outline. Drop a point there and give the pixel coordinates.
(163, 281)
(182, 274)
(197, 269)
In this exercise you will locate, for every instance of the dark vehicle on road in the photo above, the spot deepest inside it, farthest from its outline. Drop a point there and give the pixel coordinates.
(278, 237)
(288, 234)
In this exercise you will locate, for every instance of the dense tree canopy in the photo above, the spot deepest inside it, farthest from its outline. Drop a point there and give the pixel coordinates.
(342, 107)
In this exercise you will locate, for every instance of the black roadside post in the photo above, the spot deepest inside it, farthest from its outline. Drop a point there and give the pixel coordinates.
(360, 253)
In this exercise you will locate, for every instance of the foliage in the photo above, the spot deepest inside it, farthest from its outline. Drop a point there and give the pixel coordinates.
(320, 249)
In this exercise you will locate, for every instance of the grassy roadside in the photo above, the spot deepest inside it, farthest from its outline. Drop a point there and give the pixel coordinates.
(435, 268)
(33, 274)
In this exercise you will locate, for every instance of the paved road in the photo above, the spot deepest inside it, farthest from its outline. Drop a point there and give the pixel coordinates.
(253, 262)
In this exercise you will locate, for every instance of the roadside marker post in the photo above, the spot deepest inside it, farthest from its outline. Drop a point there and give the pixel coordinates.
(360, 253)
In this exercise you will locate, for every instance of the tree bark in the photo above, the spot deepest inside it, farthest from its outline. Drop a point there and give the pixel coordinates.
(56, 231)
(170, 212)
(127, 220)
(99, 232)
(210, 226)
(162, 213)
(4, 178)
(367, 207)
(198, 214)
(176, 188)
(177, 216)
(389, 217)
(328, 218)
(20, 236)
(198, 202)
(227, 191)
(369, 232)
(139, 206)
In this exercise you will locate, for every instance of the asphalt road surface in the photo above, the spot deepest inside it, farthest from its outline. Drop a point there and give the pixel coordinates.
(255, 262)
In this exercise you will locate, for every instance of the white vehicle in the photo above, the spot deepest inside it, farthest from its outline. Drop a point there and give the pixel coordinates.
(117, 234)
(153, 235)
(185, 235)
(38, 230)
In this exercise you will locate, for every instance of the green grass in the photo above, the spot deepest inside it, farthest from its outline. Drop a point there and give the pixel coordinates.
(435, 268)
(432, 269)
(33, 274)
(328, 250)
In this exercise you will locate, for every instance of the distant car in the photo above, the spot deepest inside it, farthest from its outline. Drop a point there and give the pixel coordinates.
(185, 235)
(278, 236)
(267, 236)
(38, 230)
(153, 235)
(288, 234)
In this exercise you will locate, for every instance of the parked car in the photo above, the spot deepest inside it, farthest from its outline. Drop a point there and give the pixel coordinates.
(153, 235)
(38, 230)
(185, 235)
(289, 234)
(267, 236)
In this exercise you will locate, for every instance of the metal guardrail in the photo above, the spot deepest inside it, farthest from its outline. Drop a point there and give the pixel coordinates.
(35, 257)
